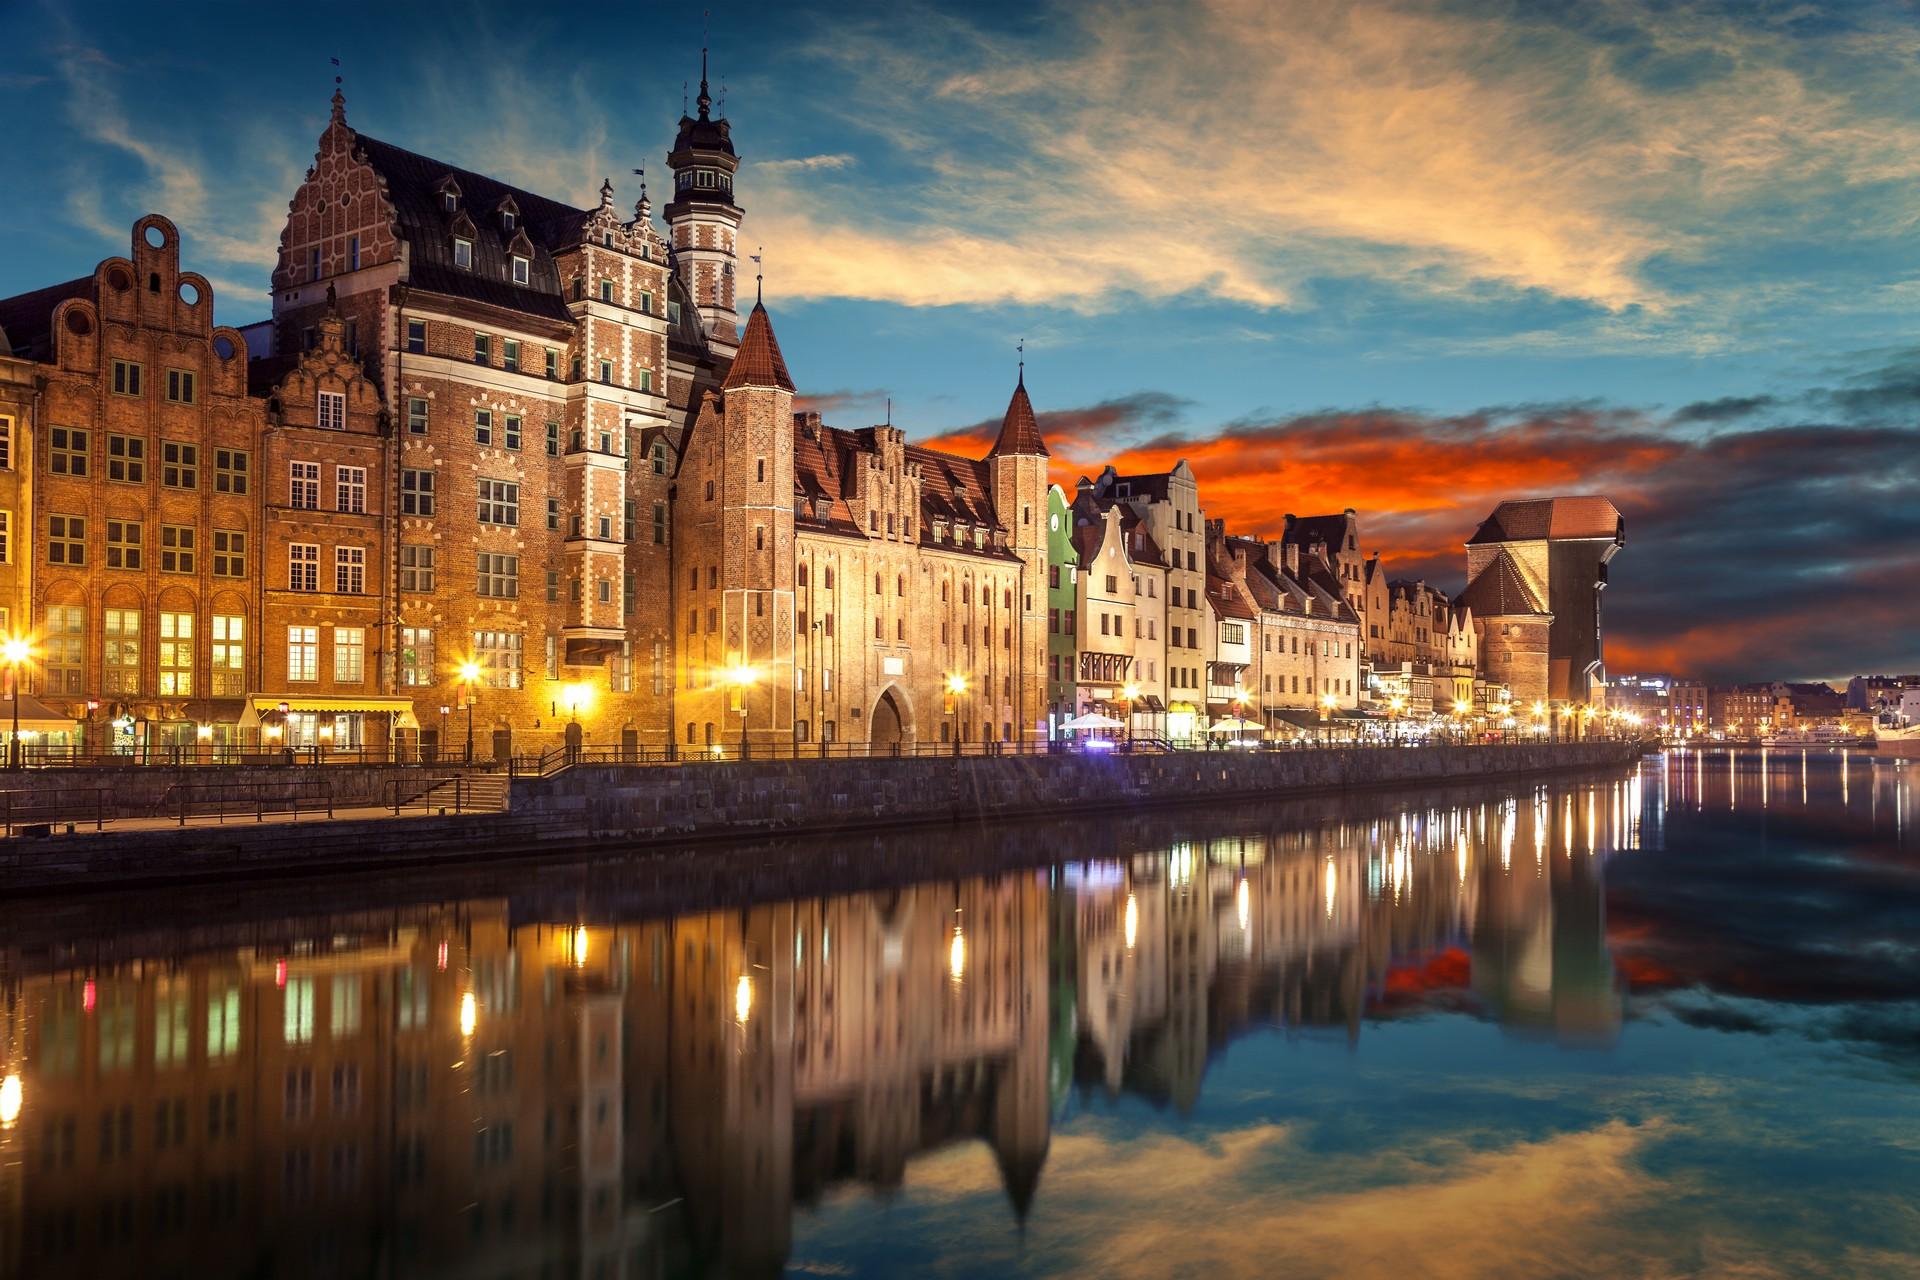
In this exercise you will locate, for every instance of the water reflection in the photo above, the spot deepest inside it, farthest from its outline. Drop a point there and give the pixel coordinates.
(514, 1085)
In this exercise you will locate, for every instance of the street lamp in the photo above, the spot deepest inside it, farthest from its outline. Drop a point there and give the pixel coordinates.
(1539, 713)
(956, 685)
(15, 651)
(469, 676)
(1460, 710)
(1327, 704)
(1128, 693)
(740, 678)
(1395, 705)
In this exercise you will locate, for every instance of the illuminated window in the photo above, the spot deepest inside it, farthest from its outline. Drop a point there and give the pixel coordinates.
(297, 1019)
(498, 654)
(121, 652)
(176, 655)
(303, 653)
(229, 655)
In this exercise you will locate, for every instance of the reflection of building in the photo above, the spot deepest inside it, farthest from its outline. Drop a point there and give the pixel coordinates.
(449, 1085)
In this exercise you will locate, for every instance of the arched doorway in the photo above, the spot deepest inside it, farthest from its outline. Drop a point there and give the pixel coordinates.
(888, 728)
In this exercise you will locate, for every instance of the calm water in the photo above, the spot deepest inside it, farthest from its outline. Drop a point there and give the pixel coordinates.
(1649, 1025)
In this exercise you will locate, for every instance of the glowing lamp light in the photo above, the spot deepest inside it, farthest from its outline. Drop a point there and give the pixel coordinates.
(469, 1013)
(1243, 904)
(1333, 881)
(956, 683)
(470, 672)
(11, 1099)
(280, 973)
(580, 946)
(440, 960)
(957, 955)
(15, 651)
(742, 999)
(1132, 921)
(89, 996)
(1131, 692)
(204, 733)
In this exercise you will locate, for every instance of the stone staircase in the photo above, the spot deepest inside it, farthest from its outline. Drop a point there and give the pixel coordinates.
(470, 792)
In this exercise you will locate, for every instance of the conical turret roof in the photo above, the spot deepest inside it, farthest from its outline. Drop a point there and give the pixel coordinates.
(1019, 431)
(758, 363)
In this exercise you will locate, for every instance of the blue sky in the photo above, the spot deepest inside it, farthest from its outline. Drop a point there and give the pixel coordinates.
(1213, 222)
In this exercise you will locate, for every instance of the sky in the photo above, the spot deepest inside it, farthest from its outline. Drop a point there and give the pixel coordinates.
(1409, 257)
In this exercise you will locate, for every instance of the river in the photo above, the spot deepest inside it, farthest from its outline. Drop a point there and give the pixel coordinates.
(1651, 1023)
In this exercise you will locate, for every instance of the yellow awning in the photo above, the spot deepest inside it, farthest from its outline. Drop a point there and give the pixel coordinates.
(261, 705)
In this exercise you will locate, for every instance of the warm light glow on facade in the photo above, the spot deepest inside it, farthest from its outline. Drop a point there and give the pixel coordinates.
(11, 1099)
(1132, 921)
(580, 946)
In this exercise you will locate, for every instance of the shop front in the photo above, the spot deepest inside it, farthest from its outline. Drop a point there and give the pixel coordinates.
(318, 727)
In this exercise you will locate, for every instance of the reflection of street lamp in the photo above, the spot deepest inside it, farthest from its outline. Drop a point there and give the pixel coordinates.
(470, 676)
(956, 685)
(15, 651)
(740, 678)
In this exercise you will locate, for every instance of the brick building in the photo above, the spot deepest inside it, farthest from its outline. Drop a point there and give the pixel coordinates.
(1536, 570)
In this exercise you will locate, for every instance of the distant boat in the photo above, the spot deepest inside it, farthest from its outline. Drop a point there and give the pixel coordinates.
(1819, 737)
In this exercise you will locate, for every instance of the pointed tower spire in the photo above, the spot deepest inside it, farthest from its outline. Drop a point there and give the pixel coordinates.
(1020, 430)
(705, 100)
(758, 363)
(339, 100)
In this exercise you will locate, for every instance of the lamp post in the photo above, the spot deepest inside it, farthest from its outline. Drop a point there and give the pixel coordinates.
(740, 678)
(1327, 704)
(1127, 694)
(16, 651)
(440, 744)
(1395, 705)
(469, 676)
(956, 685)
(1538, 713)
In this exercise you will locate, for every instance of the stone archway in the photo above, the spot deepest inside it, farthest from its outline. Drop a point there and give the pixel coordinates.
(892, 718)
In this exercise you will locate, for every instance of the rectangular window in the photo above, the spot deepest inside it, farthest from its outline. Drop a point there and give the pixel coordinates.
(126, 378)
(127, 459)
(303, 653)
(223, 1023)
(124, 544)
(67, 455)
(416, 415)
(498, 577)
(417, 337)
(646, 302)
(553, 513)
(510, 354)
(350, 489)
(606, 291)
(483, 348)
(498, 656)
(229, 655)
(176, 548)
(65, 647)
(463, 253)
(659, 524)
(313, 263)
(553, 363)
(121, 652)
(626, 520)
(416, 656)
(349, 655)
(499, 502)
(176, 655)
(230, 467)
(303, 566)
(333, 410)
(606, 373)
(520, 271)
(229, 553)
(483, 426)
(6, 443)
(180, 386)
(179, 465)
(6, 548)
(303, 485)
(416, 492)
(553, 586)
(646, 380)
(350, 570)
(416, 567)
(553, 439)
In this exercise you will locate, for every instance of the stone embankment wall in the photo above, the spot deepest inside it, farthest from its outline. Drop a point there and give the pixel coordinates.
(605, 806)
(610, 801)
(155, 791)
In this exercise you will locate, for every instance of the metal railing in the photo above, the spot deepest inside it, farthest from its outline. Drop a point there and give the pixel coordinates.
(221, 800)
(477, 792)
(183, 757)
(43, 808)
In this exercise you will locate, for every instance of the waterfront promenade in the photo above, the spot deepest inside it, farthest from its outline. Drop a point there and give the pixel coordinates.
(369, 820)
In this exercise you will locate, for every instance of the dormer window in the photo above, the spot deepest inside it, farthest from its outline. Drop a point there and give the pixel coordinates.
(463, 253)
(449, 199)
(521, 267)
(507, 220)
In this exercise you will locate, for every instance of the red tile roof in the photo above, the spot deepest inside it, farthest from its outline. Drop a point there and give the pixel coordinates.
(1019, 432)
(1501, 591)
(758, 363)
(1588, 516)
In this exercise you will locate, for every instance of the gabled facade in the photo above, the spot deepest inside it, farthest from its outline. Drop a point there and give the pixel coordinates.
(1536, 570)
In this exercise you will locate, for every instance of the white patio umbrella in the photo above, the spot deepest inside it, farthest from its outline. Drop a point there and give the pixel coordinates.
(1092, 720)
(1231, 725)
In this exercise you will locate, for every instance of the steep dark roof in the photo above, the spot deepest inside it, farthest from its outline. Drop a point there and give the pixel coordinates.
(1501, 591)
(952, 488)
(1588, 516)
(26, 320)
(1019, 432)
(686, 337)
(758, 362)
(413, 185)
(1332, 530)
